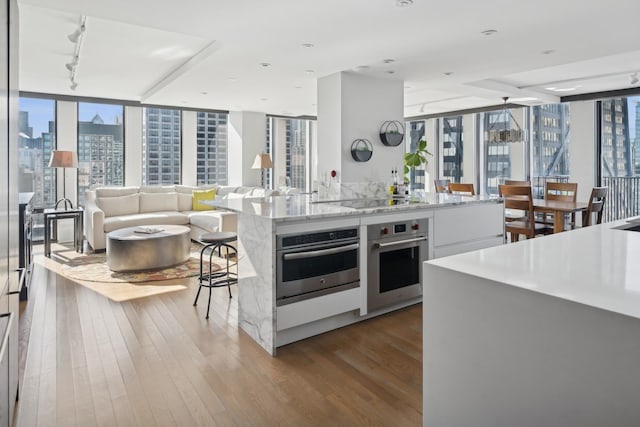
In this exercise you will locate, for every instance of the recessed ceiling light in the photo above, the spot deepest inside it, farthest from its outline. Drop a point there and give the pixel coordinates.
(298, 87)
(390, 72)
(548, 52)
(448, 73)
(489, 32)
(362, 67)
(404, 3)
(307, 45)
(265, 64)
(562, 89)
(309, 71)
(204, 93)
(388, 61)
(264, 99)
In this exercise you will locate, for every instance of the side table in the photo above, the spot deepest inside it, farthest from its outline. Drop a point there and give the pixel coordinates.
(51, 215)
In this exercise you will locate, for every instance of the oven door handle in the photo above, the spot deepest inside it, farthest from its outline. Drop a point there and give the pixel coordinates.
(321, 252)
(401, 242)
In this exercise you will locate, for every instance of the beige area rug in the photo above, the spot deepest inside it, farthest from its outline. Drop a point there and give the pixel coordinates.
(91, 270)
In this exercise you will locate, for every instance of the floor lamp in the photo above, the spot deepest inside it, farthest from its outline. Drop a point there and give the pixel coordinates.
(262, 162)
(64, 160)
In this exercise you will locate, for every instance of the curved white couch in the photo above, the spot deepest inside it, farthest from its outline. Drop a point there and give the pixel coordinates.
(112, 208)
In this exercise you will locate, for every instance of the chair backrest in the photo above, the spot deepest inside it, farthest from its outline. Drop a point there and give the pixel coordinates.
(519, 197)
(564, 191)
(459, 188)
(442, 185)
(515, 182)
(596, 205)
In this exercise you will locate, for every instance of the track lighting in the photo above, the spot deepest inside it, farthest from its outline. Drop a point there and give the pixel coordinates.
(76, 37)
(633, 78)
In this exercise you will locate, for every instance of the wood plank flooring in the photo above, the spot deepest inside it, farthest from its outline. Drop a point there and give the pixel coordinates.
(157, 361)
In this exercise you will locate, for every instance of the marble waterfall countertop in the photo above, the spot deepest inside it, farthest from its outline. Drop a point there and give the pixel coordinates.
(598, 266)
(299, 206)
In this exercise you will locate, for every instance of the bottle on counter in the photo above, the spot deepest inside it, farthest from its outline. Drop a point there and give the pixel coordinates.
(392, 184)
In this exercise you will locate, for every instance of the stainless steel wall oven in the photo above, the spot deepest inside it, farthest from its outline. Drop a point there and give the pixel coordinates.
(395, 255)
(316, 263)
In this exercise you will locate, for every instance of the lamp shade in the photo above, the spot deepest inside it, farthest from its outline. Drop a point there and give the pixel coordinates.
(262, 161)
(63, 159)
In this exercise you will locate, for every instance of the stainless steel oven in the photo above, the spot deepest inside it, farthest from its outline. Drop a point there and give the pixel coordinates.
(396, 252)
(316, 263)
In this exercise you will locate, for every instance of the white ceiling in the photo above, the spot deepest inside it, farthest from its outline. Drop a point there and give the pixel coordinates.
(207, 53)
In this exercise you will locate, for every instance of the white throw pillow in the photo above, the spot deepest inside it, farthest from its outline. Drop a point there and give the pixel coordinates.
(185, 201)
(115, 191)
(158, 189)
(158, 202)
(123, 205)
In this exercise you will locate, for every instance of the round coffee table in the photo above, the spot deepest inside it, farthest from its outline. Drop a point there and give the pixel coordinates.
(128, 250)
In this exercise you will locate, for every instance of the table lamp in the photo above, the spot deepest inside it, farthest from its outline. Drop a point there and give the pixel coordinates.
(262, 161)
(64, 160)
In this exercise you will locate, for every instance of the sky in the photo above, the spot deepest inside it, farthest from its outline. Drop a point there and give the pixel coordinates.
(42, 111)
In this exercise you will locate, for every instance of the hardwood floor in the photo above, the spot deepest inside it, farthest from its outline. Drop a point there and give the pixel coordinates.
(157, 361)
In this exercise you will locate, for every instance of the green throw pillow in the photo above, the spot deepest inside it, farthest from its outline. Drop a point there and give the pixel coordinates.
(201, 195)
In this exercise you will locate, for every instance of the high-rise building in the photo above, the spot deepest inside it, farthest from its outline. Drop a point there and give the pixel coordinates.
(636, 143)
(161, 130)
(452, 167)
(497, 154)
(100, 154)
(213, 150)
(297, 134)
(616, 144)
(34, 153)
(416, 176)
(550, 140)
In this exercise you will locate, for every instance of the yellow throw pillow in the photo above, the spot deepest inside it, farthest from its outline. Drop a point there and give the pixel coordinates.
(201, 195)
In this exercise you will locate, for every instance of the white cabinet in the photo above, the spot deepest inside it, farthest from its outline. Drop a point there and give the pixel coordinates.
(467, 227)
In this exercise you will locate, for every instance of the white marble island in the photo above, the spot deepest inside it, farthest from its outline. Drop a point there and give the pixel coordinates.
(545, 332)
(261, 220)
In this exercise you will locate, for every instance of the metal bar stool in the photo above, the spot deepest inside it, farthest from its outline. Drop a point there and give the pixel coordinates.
(216, 279)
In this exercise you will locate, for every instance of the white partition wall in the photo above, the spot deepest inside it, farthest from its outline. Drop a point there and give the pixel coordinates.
(582, 147)
(189, 148)
(132, 145)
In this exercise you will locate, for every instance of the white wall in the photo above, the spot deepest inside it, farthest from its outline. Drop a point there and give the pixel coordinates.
(247, 131)
(469, 154)
(582, 147)
(352, 106)
(132, 145)
(189, 148)
(67, 139)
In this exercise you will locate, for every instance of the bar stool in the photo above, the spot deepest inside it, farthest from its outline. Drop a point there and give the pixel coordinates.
(216, 279)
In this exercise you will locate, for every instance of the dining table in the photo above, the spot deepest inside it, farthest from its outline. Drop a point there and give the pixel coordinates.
(558, 208)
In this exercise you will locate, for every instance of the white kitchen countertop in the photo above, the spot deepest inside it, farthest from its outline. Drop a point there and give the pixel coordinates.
(299, 206)
(598, 266)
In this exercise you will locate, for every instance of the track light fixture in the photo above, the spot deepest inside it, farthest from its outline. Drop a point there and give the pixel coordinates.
(633, 78)
(76, 37)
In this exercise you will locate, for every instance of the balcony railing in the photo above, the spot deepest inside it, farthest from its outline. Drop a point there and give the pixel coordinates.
(623, 197)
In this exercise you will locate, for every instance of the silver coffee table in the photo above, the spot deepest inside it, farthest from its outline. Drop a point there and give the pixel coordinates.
(128, 250)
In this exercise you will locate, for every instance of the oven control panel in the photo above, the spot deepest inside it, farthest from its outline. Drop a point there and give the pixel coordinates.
(417, 226)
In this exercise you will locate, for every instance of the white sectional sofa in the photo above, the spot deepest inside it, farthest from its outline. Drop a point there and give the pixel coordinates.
(112, 208)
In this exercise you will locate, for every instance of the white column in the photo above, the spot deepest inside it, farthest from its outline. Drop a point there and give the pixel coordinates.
(133, 146)
(517, 149)
(189, 148)
(430, 173)
(582, 147)
(67, 139)
(352, 106)
(469, 173)
(247, 132)
(279, 150)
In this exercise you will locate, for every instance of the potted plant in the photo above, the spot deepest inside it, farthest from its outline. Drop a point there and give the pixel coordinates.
(415, 159)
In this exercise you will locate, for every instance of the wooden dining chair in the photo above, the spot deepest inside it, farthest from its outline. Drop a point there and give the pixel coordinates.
(519, 197)
(464, 189)
(596, 205)
(513, 214)
(562, 191)
(442, 185)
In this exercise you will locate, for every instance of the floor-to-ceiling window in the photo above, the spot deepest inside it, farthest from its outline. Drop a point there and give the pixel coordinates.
(37, 138)
(213, 152)
(451, 149)
(620, 155)
(289, 144)
(161, 136)
(415, 131)
(550, 125)
(100, 146)
(297, 147)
